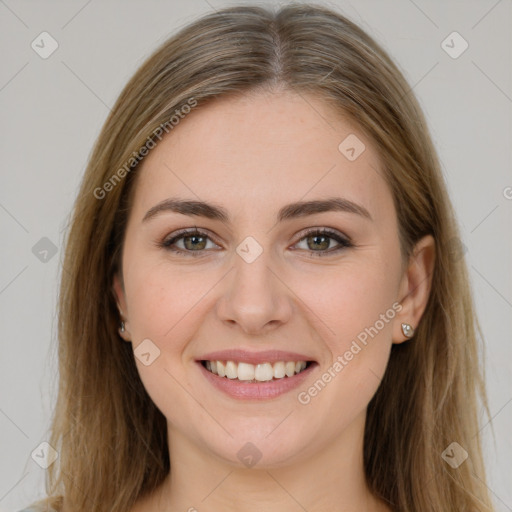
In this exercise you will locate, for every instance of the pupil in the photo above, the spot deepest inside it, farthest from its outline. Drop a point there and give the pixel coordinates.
(320, 237)
(194, 237)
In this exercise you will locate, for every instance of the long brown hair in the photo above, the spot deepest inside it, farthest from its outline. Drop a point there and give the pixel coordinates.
(110, 436)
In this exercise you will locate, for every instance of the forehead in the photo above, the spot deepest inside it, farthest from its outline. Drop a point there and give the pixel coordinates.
(263, 150)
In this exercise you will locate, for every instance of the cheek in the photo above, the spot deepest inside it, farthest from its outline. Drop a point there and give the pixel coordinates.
(164, 306)
(358, 310)
(351, 301)
(162, 300)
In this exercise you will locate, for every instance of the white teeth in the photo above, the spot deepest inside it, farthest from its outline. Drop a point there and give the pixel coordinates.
(231, 370)
(264, 372)
(260, 372)
(279, 371)
(290, 369)
(245, 371)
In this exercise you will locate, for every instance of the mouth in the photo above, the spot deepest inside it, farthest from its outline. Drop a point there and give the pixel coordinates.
(253, 373)
(261, 379)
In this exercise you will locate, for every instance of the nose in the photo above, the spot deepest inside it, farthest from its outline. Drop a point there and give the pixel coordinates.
(254, 297)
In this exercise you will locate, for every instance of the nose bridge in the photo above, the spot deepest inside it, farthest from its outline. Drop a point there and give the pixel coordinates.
(252, 277)
(254, 297)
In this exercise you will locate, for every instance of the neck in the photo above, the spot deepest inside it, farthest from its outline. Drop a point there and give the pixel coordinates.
(331, 479)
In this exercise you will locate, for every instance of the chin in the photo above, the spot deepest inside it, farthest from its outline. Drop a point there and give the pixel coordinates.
(261, 452)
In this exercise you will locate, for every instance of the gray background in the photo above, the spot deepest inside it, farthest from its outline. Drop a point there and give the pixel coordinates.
(52, 111)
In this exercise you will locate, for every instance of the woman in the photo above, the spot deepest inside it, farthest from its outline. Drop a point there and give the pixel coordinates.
(209, 359)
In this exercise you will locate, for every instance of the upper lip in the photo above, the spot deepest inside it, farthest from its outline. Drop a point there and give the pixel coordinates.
(244, 356)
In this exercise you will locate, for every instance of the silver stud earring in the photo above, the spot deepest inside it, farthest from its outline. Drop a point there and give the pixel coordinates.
(408, 330)
(121, 329)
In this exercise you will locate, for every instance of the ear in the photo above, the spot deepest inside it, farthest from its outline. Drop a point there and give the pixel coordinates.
(415, 287)
(118, 289)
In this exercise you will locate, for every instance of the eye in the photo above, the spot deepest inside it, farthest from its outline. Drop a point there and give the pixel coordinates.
(321, 239)
(194, 242)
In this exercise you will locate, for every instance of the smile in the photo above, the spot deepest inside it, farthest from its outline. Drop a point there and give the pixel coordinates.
(252, 373)
(257, 380)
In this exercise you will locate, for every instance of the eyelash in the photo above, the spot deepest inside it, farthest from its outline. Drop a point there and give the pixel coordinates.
(344, 242)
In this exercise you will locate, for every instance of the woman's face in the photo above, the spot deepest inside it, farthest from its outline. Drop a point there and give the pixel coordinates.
(262, 287)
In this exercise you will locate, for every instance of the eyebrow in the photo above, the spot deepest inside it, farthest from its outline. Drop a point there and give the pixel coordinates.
(290, 211)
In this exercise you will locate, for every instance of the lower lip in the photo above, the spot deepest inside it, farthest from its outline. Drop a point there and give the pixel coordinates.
(256, 390)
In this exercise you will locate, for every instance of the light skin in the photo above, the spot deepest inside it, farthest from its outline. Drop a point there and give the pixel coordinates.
(253, 155)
